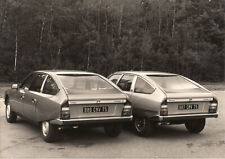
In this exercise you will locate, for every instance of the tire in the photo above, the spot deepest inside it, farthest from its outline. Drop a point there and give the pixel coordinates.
(195, 126)
(144, 127)
(113, 130)
(10, 115)
(50, 133)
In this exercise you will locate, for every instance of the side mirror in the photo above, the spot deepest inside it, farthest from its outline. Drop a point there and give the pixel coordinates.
(14, 86)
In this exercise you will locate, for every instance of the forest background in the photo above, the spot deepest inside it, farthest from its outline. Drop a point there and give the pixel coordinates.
(180, 36)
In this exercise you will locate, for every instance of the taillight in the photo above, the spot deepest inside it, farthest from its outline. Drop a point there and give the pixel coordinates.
(65, 111)
(164, 108)
(213, 106)
(127, 109)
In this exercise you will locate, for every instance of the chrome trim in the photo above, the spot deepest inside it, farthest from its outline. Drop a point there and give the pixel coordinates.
(42, 86)
(133, 82)
(174, 100)
(161, 118)
(98, 101)
(91, 119)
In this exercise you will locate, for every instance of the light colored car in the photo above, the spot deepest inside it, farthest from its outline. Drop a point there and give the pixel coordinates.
(165, 98)
(58, 99)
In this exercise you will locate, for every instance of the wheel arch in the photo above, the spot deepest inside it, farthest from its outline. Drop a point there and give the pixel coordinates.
(6, 99)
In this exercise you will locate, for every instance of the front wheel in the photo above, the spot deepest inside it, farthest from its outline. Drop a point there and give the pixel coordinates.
(49, 131)
(195, 126)
(10, 115)
(113, 130)
(144, 127)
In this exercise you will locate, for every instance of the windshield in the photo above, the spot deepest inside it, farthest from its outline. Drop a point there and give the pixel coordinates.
(173, 83)
(77, 84)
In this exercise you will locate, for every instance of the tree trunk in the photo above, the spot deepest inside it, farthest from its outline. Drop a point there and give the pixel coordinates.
(58, 58)
(4, 17)
(51, 57)
(41, 34)
(174, 16)
(160, 20)
(167, 23)
(99, 20)
(142, 63)
(16, 51)
(106, 20)
(51, 20)
(121, 18)
(88, 56)
(224, 50)
(88, 59)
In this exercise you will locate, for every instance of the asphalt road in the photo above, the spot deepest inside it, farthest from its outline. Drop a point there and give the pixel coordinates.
(22, 140)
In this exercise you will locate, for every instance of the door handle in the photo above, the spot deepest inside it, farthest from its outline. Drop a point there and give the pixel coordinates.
(34, 101)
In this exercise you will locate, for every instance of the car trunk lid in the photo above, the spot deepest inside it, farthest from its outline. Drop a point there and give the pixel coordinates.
(96, 105)
(188, 102)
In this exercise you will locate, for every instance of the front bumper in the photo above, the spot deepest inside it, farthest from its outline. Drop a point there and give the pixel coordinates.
(185, 117)
(71, 122)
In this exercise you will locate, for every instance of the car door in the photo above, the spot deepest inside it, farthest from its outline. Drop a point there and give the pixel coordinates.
(47, 101)
(31, 96)
(125, 83)
(142, 97)
(17, 104)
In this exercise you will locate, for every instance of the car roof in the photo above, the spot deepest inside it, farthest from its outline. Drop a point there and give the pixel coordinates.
(147, 73)
(65, 72)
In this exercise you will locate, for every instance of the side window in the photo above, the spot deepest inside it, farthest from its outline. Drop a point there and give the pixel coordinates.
(37, 82)
(141, 86)
(50, 87)
(114, 78)
(125, 82)
(27, 82)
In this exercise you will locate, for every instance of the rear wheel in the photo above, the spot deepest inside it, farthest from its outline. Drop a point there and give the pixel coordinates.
(113, 130)
(10, 115)
(49, 131)
(144, 126)
(195, 126)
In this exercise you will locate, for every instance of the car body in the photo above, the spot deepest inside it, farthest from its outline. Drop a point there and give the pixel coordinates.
(57, 98)
(165, 98)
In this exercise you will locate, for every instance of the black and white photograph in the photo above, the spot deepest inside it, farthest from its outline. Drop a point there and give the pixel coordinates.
(112, 79)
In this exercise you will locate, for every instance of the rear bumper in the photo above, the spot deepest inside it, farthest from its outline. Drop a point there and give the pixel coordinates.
(185, 117)
(71, 122)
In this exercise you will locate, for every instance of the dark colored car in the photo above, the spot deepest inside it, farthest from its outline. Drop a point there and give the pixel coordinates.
(58, 99)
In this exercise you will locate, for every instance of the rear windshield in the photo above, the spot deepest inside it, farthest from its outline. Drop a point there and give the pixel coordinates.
(173, 83)
(77, 84)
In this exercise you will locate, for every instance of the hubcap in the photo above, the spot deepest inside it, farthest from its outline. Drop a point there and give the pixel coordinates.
(8, 111)
(140, 124)
(45, 128)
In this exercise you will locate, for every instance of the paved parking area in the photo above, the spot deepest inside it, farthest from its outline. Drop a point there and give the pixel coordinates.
(22, 140)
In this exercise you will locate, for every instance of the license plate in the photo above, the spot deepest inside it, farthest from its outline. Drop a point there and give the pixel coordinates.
(95, 109)
(187, 106)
